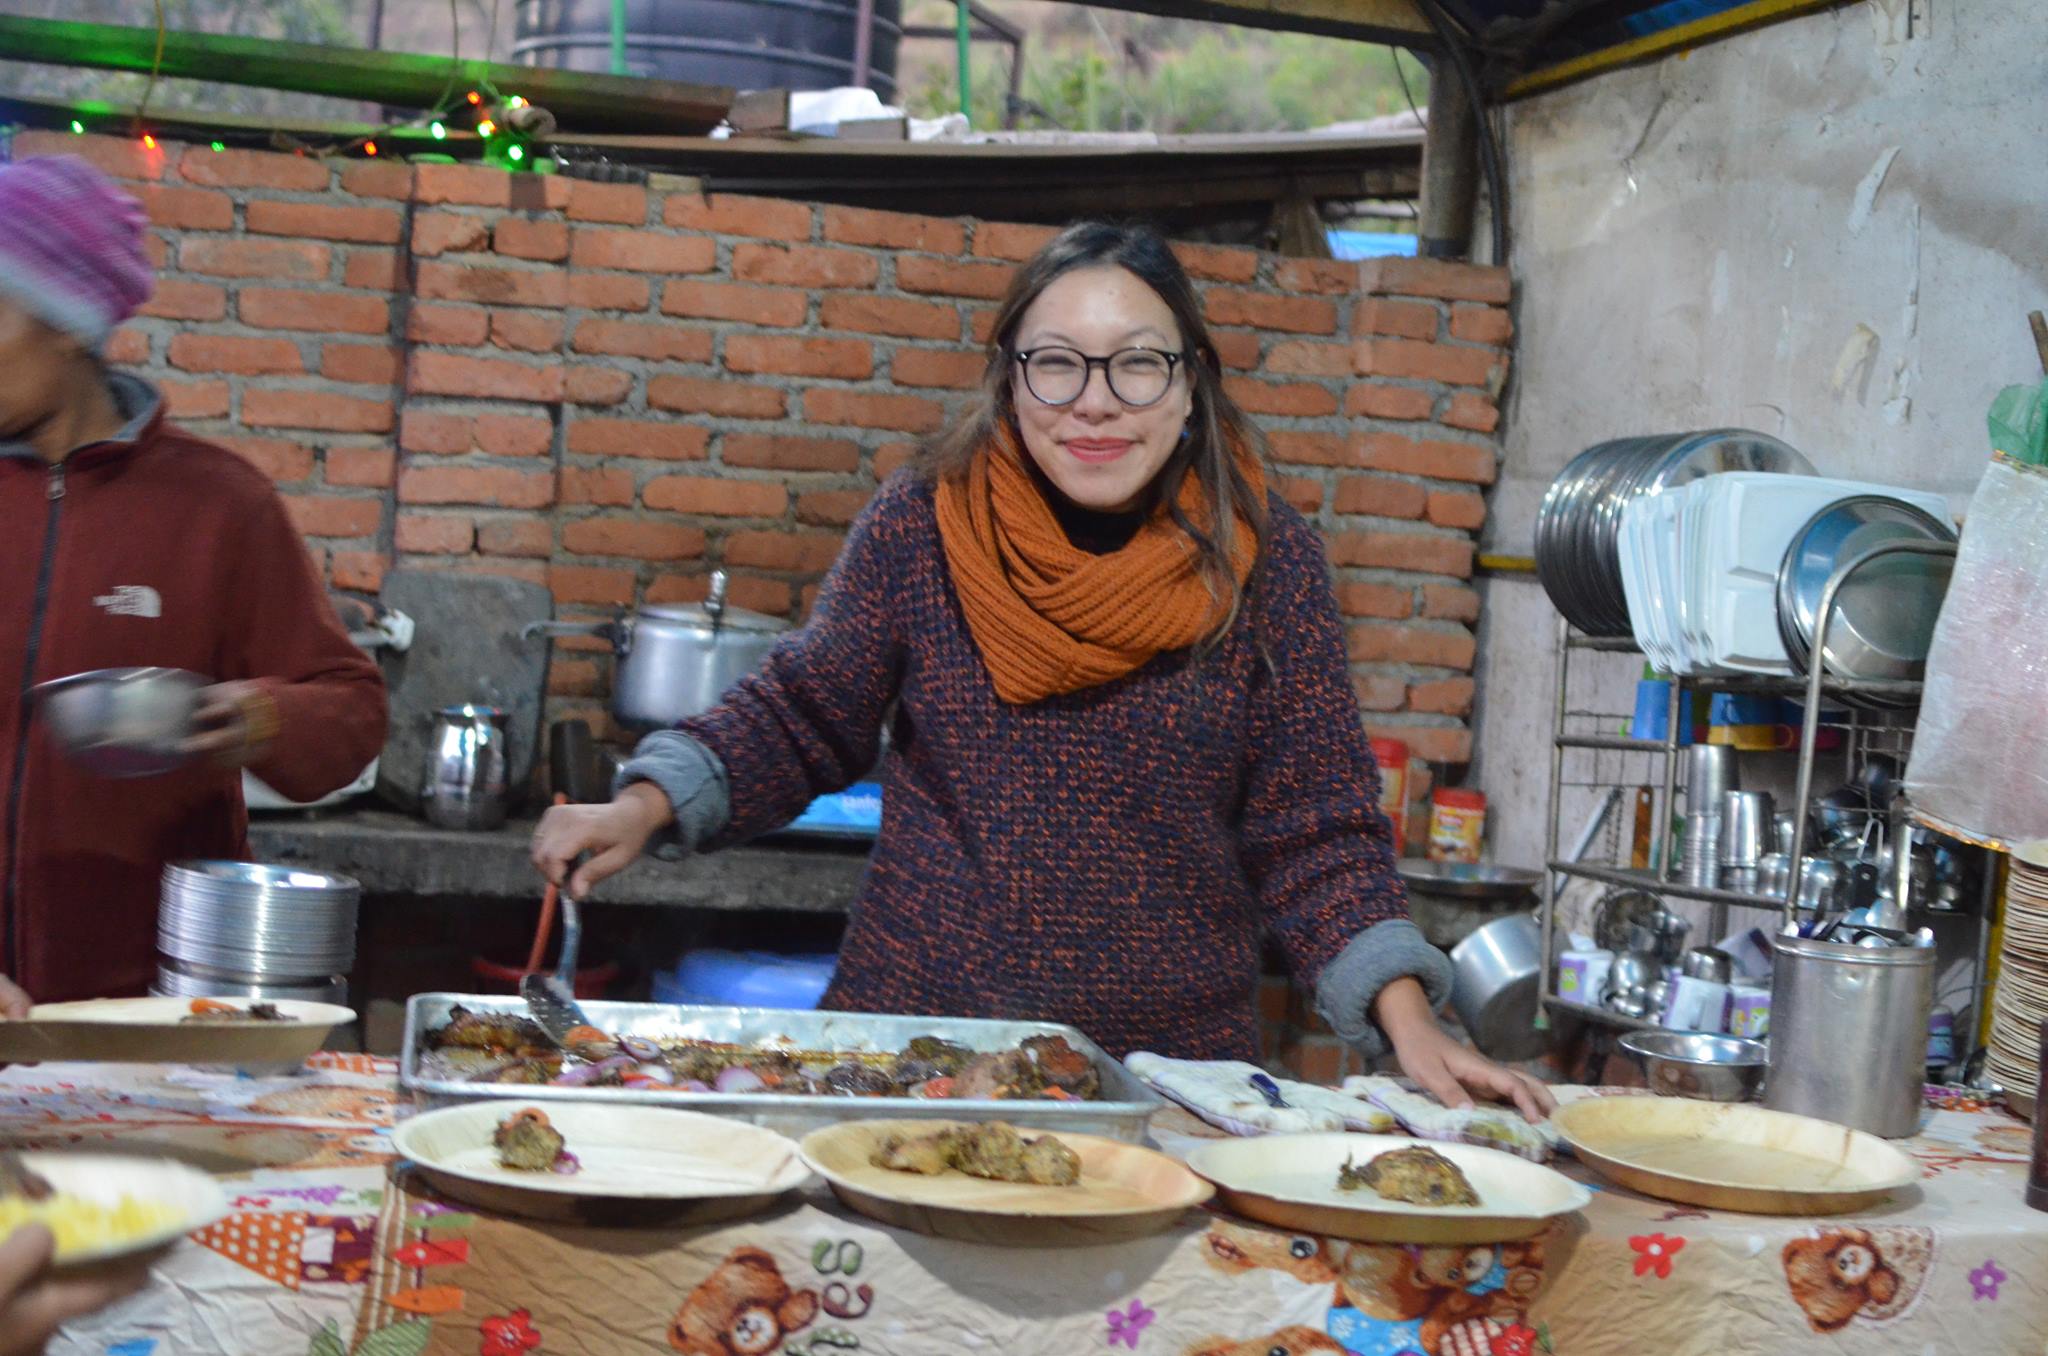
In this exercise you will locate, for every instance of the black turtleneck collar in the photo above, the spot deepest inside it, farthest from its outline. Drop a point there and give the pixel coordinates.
(1095, 531)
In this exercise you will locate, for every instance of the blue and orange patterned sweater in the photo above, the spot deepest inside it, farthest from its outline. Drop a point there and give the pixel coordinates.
(1109, 858)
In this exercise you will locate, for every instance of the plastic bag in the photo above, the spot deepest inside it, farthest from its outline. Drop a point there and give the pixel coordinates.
(2019, 423)
(1979, 766)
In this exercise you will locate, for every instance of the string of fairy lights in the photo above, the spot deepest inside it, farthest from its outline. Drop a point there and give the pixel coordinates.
(509, 127)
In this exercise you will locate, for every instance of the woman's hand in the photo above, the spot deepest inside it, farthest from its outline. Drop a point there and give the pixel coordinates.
(14, 1000)
(34, 1304)
(614, 834)
(1447, 1070)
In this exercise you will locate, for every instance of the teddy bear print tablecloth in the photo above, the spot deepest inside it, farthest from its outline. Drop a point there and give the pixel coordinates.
(328, 1253)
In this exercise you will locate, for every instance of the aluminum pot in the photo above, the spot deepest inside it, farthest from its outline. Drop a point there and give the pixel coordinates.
(1495, 975)
(677, 661)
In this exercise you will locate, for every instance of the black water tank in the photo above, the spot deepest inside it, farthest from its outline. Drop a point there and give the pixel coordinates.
(745, 44)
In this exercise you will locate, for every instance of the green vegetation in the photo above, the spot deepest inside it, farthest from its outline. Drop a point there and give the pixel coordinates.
(1108, 71)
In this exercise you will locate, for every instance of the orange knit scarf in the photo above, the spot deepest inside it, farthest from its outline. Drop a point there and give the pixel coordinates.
(1049, 617)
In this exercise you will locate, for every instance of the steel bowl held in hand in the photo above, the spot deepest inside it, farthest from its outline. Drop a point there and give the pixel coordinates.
(122, 722)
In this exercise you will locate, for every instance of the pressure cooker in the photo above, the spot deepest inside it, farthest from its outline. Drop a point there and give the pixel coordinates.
(677, 660)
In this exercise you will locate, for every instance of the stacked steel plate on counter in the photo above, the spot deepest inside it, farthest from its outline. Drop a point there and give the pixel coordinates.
(236, 929)
(1577, 550)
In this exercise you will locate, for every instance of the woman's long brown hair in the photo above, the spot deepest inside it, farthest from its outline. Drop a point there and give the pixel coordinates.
(1219, 434)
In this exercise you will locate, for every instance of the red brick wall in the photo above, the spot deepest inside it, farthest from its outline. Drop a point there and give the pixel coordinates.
(613, 389)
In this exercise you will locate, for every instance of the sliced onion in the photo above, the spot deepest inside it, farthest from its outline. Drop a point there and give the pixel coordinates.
(567, 1163)
(656, 1072)
(640, 1048)
(739, 1078)
(693, 1085)
(583, 1075)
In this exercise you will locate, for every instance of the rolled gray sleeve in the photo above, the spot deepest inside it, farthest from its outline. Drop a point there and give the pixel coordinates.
(1372, 960)
(693, 779)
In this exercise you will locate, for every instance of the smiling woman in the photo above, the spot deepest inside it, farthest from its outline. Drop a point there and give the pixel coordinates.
(1125, 743)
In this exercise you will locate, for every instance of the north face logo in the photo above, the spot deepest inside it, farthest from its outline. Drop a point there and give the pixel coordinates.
(131, 600)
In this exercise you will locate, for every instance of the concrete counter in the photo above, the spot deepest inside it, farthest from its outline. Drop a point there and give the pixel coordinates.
(393, 854)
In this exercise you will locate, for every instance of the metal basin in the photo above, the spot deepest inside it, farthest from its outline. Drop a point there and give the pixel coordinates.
(1703, 1067)
(122, 722)
(1467, 880)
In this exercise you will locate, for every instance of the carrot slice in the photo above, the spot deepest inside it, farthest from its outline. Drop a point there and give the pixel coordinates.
(203, 1005)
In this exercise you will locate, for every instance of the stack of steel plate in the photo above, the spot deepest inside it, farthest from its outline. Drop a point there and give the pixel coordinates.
(267, 931)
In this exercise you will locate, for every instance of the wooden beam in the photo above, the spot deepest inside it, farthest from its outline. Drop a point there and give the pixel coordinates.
(1397, 23)
(1669, 42)
(579, 100)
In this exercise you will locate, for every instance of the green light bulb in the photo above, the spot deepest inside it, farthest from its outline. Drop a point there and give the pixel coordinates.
(220, 145)
(440, 131)
(516, 154)
(78, 127)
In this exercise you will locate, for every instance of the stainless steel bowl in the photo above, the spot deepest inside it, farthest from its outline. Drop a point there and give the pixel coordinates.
(122, 722)
(1468, 880)
(1703, 1067)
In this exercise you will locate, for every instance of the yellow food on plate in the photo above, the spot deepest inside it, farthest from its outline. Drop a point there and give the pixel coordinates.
(81, 1225)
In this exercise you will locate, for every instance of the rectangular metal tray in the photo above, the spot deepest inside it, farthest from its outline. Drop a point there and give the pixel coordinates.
(1126, 1107)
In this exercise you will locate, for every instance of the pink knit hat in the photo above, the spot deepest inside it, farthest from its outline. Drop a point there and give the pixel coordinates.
(71, 247)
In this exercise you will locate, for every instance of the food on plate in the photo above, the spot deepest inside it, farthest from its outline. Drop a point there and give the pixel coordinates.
(78, 1225)
(1415, 1175)
(994, 1151)
(504, 1048)
(214, 1010)
(527, 1142)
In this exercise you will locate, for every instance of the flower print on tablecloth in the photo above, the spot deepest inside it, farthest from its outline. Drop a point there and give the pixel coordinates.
(1294, 1341)
(1985, 1281)
(1655, 1253)
(1126, 1326)
(510, 1334)
(1397, 1301)
(1873, 1275)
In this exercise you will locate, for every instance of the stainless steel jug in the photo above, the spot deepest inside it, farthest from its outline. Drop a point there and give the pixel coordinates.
(467, 760)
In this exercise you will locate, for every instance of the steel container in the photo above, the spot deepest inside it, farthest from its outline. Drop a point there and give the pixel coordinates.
(1699, 1065)
(1495, 975)
(248, 923)
(122, 722)
(1122, 1113)
(677, 661)
(469, 758)
(1849, 1033)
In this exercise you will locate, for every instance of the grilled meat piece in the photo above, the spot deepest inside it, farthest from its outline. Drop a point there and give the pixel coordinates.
(526, 1142)
(991, 1075)
(994, 1151)
(1047, 1162)
(1415, 1175)
(255, 1012)
(946, 1056)
(858, 1080)
(1059, 1065)
(488, 1031)
(926, 1154)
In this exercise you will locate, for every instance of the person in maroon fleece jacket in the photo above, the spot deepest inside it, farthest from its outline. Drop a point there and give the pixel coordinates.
(130, 542)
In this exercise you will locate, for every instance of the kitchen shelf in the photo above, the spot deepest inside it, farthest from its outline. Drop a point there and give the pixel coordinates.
(1649, 880)
(1617, 743)
(1604, 1016)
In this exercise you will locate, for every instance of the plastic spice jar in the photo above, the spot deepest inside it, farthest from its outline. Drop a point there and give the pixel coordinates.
(1392, 756)
(1457, 824)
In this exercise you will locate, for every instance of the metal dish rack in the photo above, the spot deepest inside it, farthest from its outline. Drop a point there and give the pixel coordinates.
(1596, 764)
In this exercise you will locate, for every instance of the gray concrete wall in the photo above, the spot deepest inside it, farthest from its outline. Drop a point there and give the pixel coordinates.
(1830, 229)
